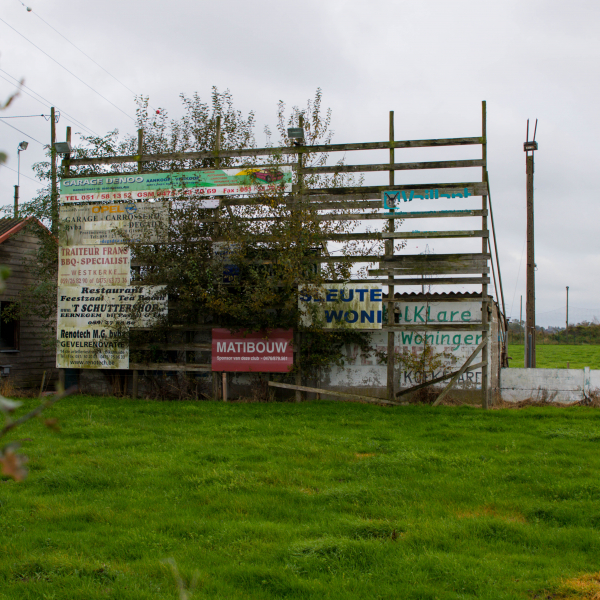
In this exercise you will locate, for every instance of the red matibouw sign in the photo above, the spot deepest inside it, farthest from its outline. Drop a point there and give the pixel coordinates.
(268, 351)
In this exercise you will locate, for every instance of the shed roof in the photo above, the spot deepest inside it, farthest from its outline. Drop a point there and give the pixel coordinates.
(8, 226)
(434, 296)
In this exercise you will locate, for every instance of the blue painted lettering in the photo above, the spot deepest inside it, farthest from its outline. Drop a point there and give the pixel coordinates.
(334, 315)
(376, 295)
(367, 317)
(353, 314)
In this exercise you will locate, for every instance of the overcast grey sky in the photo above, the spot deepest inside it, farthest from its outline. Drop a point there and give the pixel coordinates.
(432, 62)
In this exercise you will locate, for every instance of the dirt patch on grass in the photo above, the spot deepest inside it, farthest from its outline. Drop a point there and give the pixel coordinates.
(532, 402)
(494, 512)
(593, 402)
(583, 587)
(364, 454)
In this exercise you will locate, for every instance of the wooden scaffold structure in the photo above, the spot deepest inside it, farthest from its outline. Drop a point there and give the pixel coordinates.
(364, 203)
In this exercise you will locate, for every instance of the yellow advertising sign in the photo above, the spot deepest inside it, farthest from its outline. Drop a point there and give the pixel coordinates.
(92, 323)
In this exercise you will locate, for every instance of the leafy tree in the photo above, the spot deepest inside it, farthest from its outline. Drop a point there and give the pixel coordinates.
(272, 242)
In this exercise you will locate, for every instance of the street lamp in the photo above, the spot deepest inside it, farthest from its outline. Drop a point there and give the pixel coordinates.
(22, 146)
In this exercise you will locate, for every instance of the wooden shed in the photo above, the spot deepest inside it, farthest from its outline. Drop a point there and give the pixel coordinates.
(23, 357)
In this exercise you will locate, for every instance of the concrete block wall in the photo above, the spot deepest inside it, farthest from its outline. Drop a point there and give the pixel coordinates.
(551, 385)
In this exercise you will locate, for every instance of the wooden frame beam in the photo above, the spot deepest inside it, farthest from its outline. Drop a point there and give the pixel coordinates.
(288, 150)
(412, 166)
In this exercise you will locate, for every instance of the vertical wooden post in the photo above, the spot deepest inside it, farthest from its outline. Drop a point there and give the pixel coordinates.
(484, 249)
(16, 199)
(297, 335)
(42, 384)
(61, 378)
(140, 150)
(67, 158)
(218, 143)
(53, 190)
(134, 383)
(215, 385)
(298, 375)
(224, 386)
(567, 318)
(389, 252)
(530, 361)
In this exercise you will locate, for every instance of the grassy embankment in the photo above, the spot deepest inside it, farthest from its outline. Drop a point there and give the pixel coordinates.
(557, 356)
(318, 500)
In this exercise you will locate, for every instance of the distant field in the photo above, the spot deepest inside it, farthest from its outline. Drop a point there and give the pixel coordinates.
(557, 356)
(312, 501)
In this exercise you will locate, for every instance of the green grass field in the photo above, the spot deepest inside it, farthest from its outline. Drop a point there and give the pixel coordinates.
(557, 356)
(313, 501)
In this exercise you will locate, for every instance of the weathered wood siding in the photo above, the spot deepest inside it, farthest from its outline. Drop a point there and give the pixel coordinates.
(32, 359)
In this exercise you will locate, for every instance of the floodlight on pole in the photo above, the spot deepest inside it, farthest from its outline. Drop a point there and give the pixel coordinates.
(296, 134)
(62, 147)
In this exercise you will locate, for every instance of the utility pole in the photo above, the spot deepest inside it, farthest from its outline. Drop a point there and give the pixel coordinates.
(530, 148)
(521, 313)
(53, 192)
(22, 146)
(567, 319)
(16, 200)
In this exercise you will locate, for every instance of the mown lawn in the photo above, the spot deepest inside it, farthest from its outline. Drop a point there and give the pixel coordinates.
(314, 500)
(557, 356)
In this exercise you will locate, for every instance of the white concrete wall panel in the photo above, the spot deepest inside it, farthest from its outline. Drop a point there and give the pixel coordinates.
(551, 385)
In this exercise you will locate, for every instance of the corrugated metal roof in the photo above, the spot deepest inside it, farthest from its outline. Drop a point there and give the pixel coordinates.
(434, 296)
(7, 224)
(8, 227)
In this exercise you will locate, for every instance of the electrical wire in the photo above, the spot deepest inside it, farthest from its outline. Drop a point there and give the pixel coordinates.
(78, 48)
(67, 70)
(22, 174)
(582, 308)
(45, 102)
(25, 134)
(571, 307)
(25, 116)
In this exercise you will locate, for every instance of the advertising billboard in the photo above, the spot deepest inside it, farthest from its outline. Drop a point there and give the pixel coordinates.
(341, 306)
(127, 187)
(102, 224)
(94, 265)
(92, 323)
(268, 351)
(393, 199)
(414, 313)
(448, 350)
